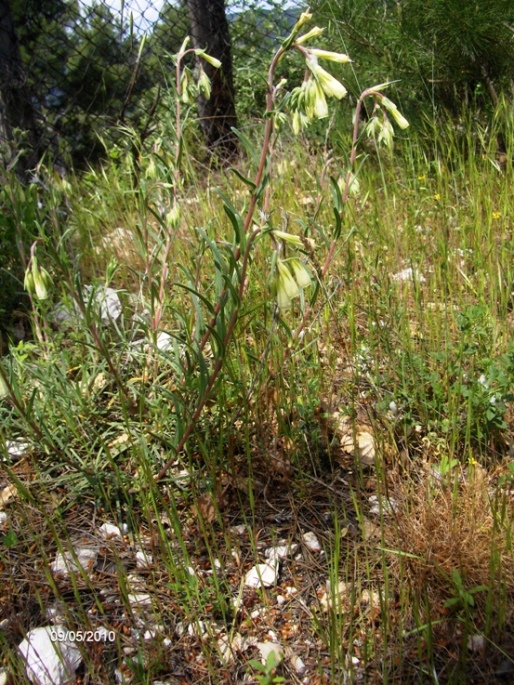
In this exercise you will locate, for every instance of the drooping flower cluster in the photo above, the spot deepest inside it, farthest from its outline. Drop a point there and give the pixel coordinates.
(379, 125)
(189, 89)
(309, 101)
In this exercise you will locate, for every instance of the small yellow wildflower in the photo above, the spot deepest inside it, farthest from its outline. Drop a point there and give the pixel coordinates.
(437, 197)
(496, 215)
(422, 177)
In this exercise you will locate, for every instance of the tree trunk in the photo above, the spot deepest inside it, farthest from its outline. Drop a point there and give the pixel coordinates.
(16, 110)
(209, 30)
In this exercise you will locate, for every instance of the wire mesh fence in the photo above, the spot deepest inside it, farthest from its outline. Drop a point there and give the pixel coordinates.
(92, 65)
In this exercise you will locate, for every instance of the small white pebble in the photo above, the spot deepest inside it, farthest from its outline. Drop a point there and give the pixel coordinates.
(262, 575)
(16, 448)
(311, 542)
(298, 664)
(143, 559)
(238, 530)
(476, 643)
(109, 530)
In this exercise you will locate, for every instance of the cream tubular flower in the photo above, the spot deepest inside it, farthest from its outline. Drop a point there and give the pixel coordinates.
(395, 113)
(208, 58)
(400, 119)
(299, 122)
(320, 103)
(331, 86)
(339, 57)
(283, 301)
(286, 282)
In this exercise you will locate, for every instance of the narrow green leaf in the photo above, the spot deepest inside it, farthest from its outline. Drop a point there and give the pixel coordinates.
(237, 223)
(338, 224)
(198, 295)
(336, 195)
(249, 183)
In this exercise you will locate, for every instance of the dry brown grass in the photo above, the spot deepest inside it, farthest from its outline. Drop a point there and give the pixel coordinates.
(459, 523)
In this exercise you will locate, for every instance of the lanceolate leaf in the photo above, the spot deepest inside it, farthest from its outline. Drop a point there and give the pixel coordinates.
(196, 295)
(336, 195)
(249, 183)
(235, 220)
(338, 224)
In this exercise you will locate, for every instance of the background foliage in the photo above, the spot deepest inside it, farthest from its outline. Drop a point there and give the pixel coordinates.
(99, 78)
